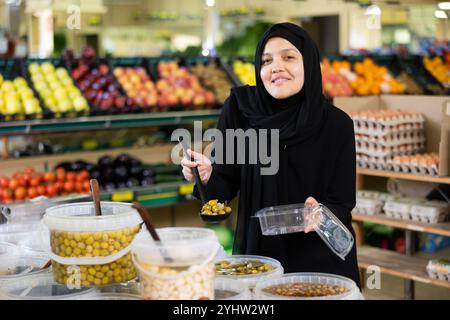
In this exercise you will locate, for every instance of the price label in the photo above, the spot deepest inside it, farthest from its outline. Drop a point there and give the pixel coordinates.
(186, 189)
(123, 196)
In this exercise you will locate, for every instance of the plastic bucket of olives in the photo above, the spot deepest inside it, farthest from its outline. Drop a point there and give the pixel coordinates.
(180, 267)
(248, 269)
(300, 286)
(92, 250)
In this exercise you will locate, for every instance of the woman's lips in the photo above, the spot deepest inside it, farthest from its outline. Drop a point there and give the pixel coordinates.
(279, 81)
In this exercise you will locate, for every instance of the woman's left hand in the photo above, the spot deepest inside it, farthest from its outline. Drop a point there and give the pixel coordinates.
(311, 215)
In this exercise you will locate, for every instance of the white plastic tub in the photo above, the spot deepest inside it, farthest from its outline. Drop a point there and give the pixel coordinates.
(181, 267)
(95, 247)
(353, 292)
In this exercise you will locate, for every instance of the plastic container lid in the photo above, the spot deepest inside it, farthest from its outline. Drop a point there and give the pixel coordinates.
(252, 279)
(39, 287)
(184, 246)
(353, 292)
(228, 289)
(290, 218)
(81, 217)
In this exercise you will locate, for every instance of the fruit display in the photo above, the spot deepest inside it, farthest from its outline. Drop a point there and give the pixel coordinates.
(213, 207)
(439, 69)
(91, 245)
(137, 85)
(177, 85)
(305, 290)
(334, 83)
(245, 72)
(98, 85)
(243, 267)
(373, 79)
(30, 184)
(56, 88)
(213, 78)
(17, 98)
(439, 269)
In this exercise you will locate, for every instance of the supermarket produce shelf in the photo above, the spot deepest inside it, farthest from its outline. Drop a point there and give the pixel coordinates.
(405, 176)
(438, 228)
(393, 263)
(106, 122)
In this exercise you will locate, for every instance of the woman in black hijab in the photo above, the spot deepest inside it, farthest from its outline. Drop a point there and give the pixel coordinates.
(316, 156)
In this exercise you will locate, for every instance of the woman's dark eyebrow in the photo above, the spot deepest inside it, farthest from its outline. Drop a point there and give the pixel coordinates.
(281, 51)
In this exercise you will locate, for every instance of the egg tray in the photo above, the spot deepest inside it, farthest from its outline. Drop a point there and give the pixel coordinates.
(391, 140)
(368, 206)
(388, 152)
(412, 212)
(374, 163)
(379, 130)
(439, 269)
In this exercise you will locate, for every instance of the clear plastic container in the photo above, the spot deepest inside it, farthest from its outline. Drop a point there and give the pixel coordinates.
(33, 210)
(39, 287)
(24, 234)
(20, 263)
(180, 267)
(352, 292)
(291, 218)
(108, 296)
(94, 248)
(227, 289)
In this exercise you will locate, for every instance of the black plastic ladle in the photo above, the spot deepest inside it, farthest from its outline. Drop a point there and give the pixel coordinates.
(195, 172)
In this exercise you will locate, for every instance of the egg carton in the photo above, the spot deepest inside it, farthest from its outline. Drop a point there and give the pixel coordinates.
(430, 212)
(400, 208)
(390, 152)
(389, 121)
(429, 170)
(391, 140)
(376, 129)
(367, 162)
(439, 269)
(368, 206)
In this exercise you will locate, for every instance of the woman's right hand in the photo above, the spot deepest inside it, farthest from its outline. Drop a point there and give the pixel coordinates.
(201, 162)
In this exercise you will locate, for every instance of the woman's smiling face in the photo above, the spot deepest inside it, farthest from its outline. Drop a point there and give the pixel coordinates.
(282, 70)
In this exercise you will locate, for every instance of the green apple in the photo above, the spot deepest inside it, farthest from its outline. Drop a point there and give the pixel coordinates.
(32, 106)
(1, 79)
(20, 82)
(60, 94)
(56, 86)
(2, 105)
(7, 86)
(33, 67)
(80, 104)
(67, 81)
(47, 67)
(64, 105)
(61, 73)
(40, 86)
(13, 107)
(26, 93)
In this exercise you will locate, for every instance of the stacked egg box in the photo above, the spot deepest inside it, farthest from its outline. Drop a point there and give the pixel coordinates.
(391, 140)
(439, 269)
(415, 209)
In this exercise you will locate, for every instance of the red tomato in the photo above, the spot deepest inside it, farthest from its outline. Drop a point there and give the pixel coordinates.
(49, 176)
(32, 193)
(20, 193)
(71, 176)
(13, 184)
(4, 182)
(52, 190)
(69, 186)
(41, 190)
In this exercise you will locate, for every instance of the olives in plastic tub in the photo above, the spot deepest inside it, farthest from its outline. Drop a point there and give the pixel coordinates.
(180, 267)
(40, 287)
(94, 249)
(308, 286)
(251, 275)
(291, 218)
(227, 289)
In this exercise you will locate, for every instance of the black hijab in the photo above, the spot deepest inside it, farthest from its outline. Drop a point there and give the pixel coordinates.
(302, 113)
(298, 118)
